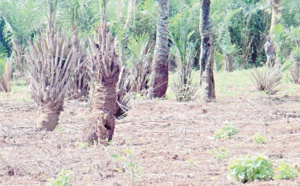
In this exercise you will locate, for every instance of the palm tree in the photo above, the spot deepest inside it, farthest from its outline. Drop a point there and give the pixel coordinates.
(22, 18)
(51, 61)
(159, 76)
(207, 81)
(105, 71)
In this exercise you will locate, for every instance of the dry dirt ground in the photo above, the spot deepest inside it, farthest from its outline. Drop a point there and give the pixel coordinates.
(171, 143)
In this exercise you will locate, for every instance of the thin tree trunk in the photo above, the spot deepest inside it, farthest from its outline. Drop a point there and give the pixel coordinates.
(159, 77)
(275, 14)
(207, 54)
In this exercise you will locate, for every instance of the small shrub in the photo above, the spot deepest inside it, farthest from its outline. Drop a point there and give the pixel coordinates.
(266, 79)
(130, 164)
(259, 139)
(220, 153)
(286, 171)
(251, 169)
(63, 178)
(226, 132)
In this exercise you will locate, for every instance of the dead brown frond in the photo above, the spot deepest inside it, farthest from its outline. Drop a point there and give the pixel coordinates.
(5, 78)
(266, 79)
(123, 95)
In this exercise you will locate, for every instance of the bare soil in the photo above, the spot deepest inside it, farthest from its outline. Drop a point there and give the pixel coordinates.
(172, 143)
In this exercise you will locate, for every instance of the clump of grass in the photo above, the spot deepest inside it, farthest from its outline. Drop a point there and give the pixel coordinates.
(225, 132)
(286, 171)
(82, 145)
(251, 169)
(220, 153)
(62, 179)
(266, 79)
(259, 139)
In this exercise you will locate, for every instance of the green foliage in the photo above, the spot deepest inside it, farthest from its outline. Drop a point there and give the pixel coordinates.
(219, 153)
(62, 179)
(139, 49)
(286, 171)
(182, 52)
(22, 18)
(83, 14)
(248, 29)
(290, 14)
(2, 66)
(129, 163)
(259, 138)
(251, 169)
(225, 132)
(296, 54)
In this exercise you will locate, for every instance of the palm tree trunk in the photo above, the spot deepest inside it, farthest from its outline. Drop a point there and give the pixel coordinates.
(159, 77)
(207, 54)
(49, 115)
(275, 14)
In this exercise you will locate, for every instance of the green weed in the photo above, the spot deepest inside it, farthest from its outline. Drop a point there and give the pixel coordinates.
(62, 179)
(130, 164)
(226, 132)
(251, 169)
(286, 171)
(259, 139)
(220, 153)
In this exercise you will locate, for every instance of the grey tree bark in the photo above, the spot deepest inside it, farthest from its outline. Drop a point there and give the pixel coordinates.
(159, 76)
(275, 14)
(207, 81)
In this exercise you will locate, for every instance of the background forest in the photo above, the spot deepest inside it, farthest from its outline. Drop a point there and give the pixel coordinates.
(239, 27)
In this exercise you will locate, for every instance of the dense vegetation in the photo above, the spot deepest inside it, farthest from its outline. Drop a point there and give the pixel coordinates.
(239, 26)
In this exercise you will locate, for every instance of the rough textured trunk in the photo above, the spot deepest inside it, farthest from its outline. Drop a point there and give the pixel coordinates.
(102, 121)
(49, 115)
(275, 14)
(159, 76)
(207, 54)
(229, 62)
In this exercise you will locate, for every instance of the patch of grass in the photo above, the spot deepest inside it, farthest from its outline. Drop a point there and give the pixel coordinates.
(285, 171)
(226, 132)
(62, 179)
(233, 84)
(259, 139)
(220, 153)
(251, 169)
(82, 145)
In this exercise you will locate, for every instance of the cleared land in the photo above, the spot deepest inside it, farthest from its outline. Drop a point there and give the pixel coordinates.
(172, 143)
